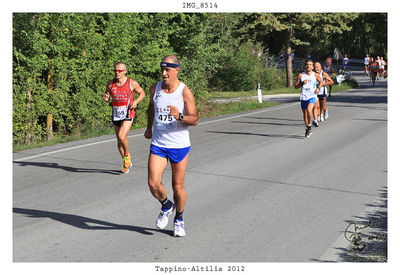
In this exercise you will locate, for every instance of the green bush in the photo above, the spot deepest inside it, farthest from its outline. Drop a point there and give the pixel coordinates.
(238, 70)
(62, 62)
(271, 78)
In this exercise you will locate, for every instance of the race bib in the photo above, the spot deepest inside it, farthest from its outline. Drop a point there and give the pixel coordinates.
(119, 113)
(164, 121)
(308, 86)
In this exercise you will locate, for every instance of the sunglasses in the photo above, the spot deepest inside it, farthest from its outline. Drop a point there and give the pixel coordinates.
(119, 71)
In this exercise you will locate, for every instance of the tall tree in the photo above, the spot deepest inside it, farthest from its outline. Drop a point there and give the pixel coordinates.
(296, 29)
(368, 34)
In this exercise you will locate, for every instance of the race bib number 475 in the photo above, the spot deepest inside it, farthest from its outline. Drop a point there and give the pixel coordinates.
(163, 118)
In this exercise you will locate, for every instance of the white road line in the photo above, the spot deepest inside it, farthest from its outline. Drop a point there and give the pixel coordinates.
(70, 148)
(137, 135)
(252, 113)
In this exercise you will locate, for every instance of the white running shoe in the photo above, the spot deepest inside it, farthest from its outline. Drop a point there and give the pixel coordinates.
(326, 114)
(322, 117)
(162, 220)
(179, 229)
(315, 123)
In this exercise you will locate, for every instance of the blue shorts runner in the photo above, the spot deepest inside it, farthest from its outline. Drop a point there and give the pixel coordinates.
(304, 103)
(174, 155)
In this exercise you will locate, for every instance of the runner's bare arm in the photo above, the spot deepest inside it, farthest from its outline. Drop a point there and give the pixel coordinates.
(328, 79)
(136, 87)
(320, 82)
(191, 117)
(106, 95)
(298, 83)
(150, 114)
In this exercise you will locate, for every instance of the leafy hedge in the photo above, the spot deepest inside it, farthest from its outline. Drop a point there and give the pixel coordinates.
(62, 62)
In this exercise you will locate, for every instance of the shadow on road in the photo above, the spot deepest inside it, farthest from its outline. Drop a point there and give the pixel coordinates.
(275, 118)
(67, 168)
(371, 119)
(368, 242)
(267, 181)
(364, 94)
(253, 134)
(366, 234)
(84, 222)
(269, 123)
(358, 100)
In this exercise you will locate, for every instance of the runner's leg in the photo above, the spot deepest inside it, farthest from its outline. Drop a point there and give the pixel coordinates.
(119, 146)
(323, 108)
(316, 109)
(374, 74)
(309, 113)
(178, 183)
(121, 133)
(305, 117)
(323, 105)
(156, 167)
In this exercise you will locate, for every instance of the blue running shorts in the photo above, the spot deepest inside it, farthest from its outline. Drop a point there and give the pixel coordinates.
(304, 103)
(174, 155)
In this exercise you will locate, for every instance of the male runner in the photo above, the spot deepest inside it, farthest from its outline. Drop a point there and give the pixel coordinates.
(328, 61)
(345, 63)
(378, 60)
(328, 68)
(382, 65)
(327, 81)
(373, 70)
(308, 82)
(366, 63)
(371, 59)
(122, 89)
(171, 110)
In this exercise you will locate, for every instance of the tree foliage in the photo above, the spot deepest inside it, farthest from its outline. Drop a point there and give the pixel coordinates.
(62, 61)
(295, 30)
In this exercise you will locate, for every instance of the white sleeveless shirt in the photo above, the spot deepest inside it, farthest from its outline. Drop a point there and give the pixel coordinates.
(167, 131)
(322, 90)
(308, 89)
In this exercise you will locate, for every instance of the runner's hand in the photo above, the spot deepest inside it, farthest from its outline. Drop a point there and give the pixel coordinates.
(133, 105)
(174, 111)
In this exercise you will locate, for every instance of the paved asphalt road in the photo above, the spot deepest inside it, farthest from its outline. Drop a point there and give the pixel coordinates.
(258, 191)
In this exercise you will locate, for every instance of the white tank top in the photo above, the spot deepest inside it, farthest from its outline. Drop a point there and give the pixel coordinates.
(167, 131)
(322, 91)
(308, 89)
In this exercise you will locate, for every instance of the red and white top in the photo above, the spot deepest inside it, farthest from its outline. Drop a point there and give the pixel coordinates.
(122, 98)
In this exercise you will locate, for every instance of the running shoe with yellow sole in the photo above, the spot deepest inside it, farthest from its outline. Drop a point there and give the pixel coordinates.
(126, 164)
